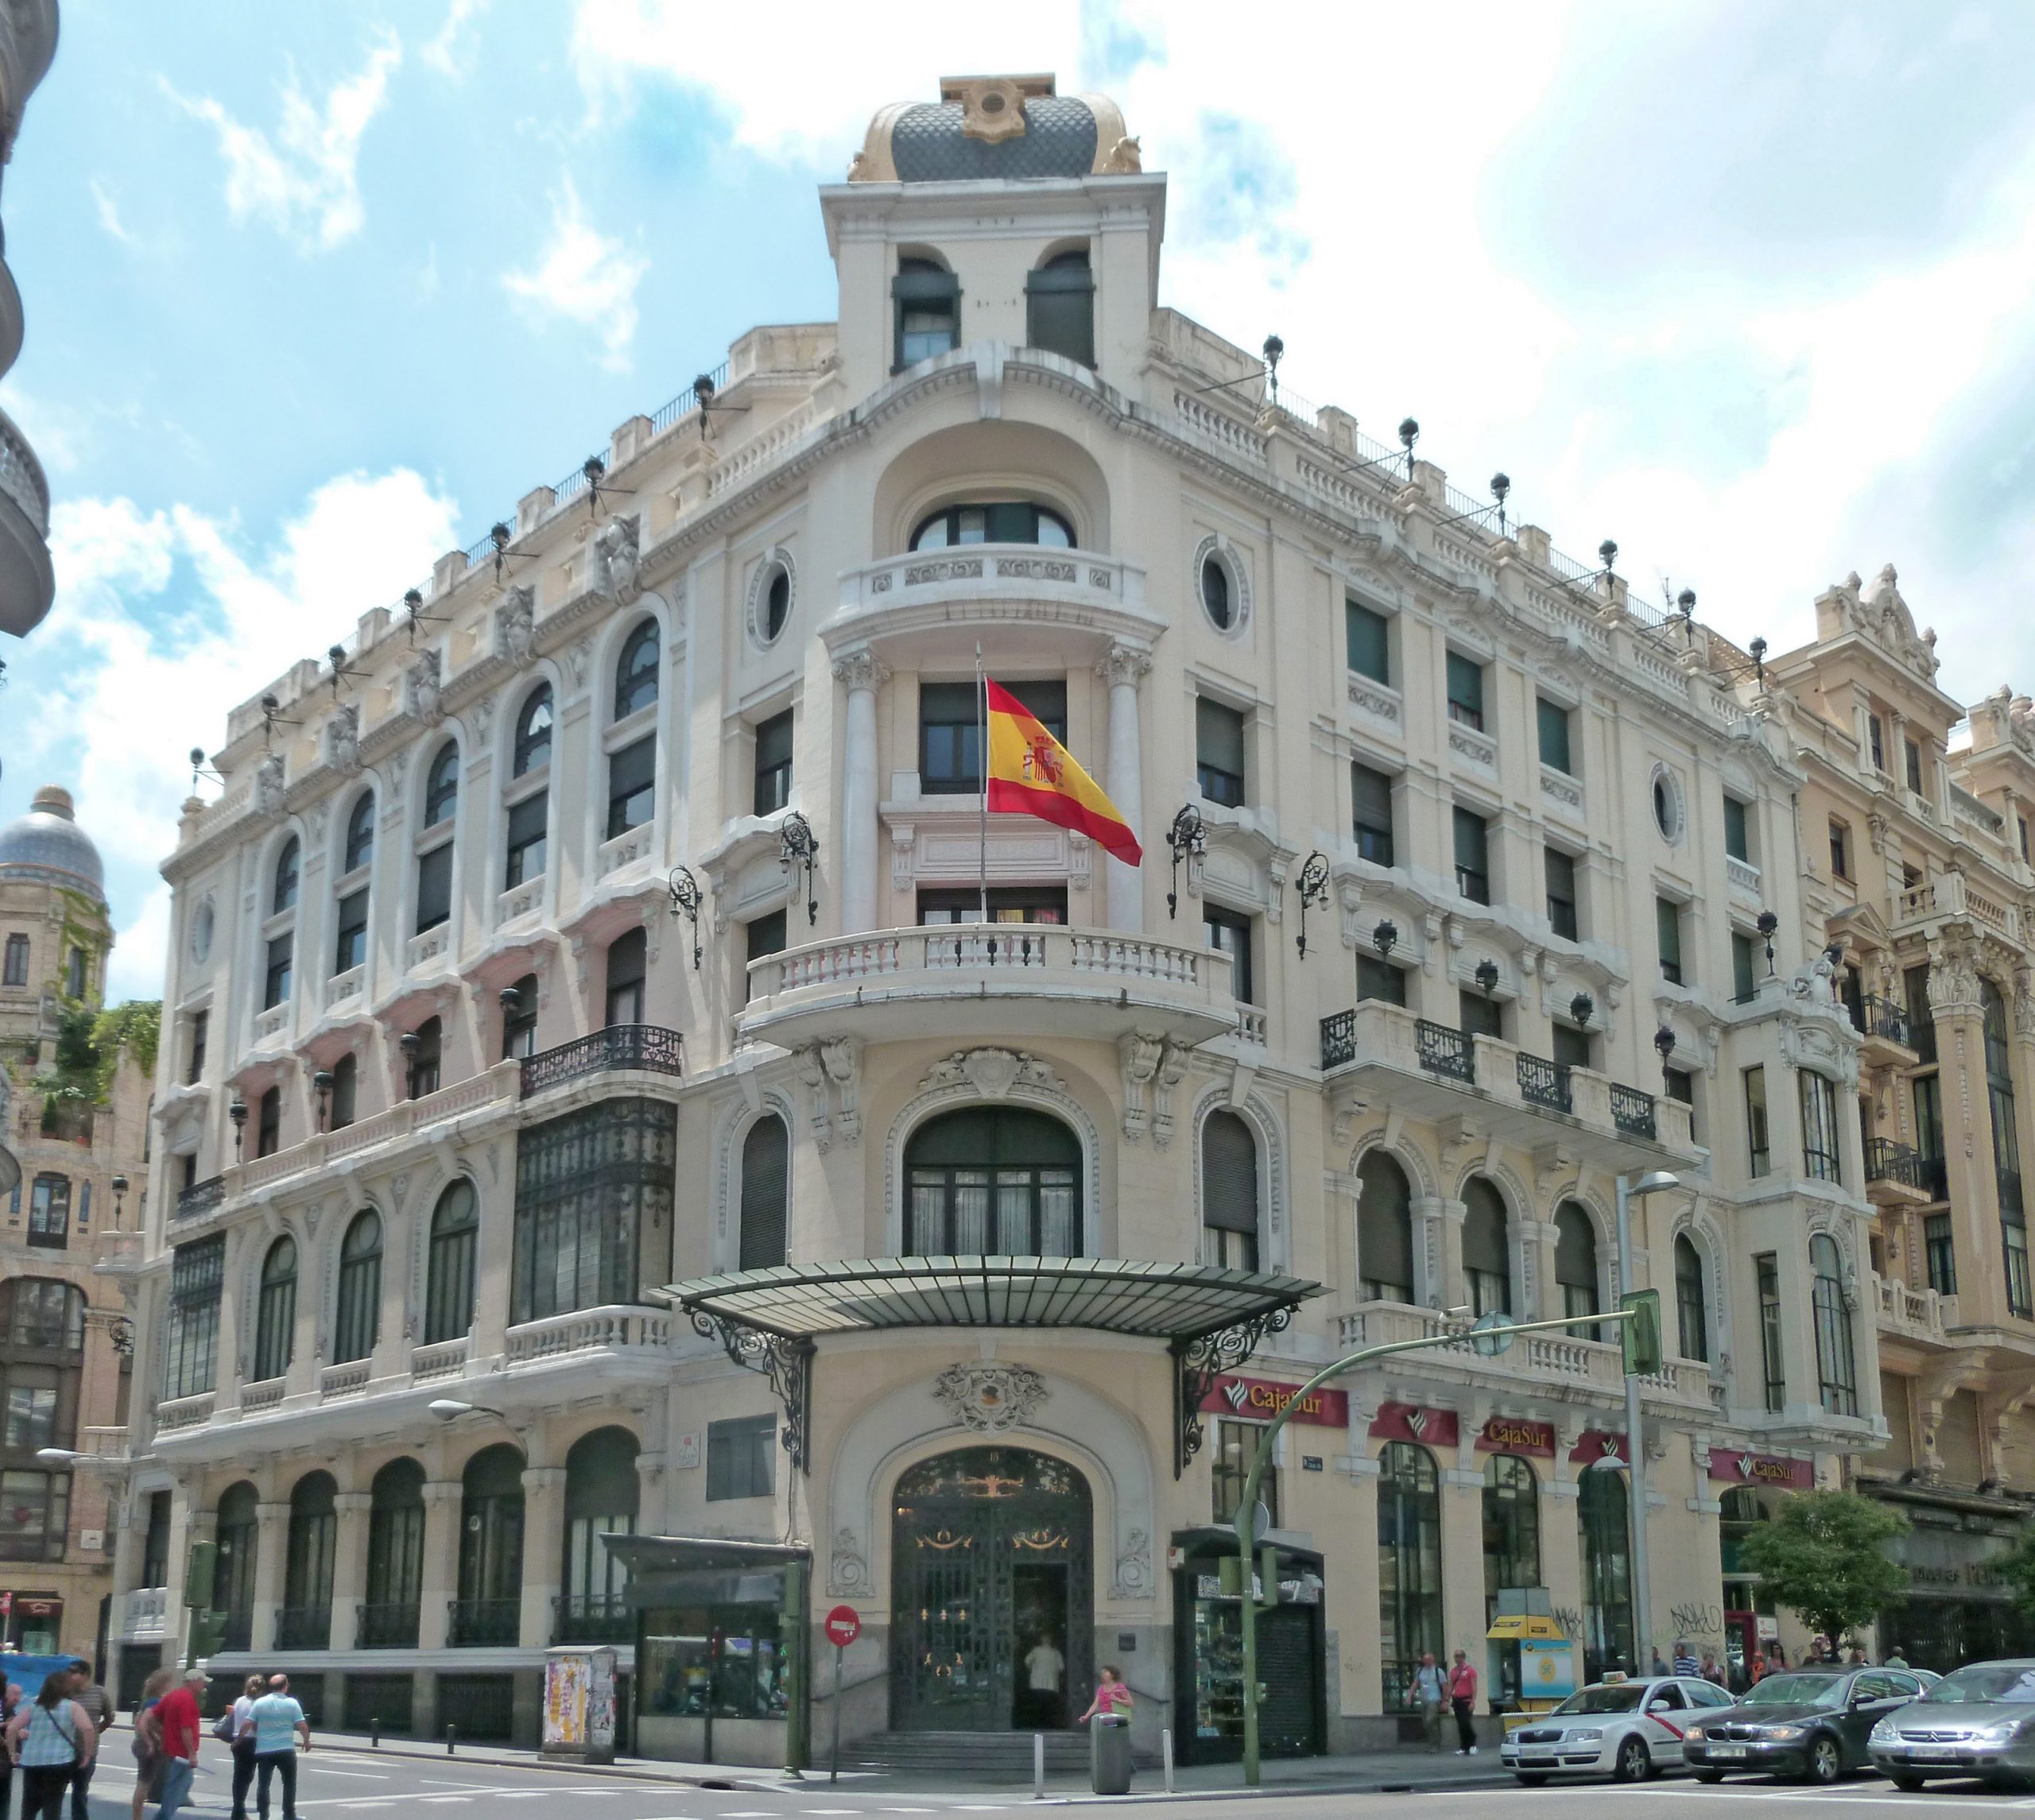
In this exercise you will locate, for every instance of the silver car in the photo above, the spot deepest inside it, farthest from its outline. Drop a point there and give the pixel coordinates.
(1978, 1721)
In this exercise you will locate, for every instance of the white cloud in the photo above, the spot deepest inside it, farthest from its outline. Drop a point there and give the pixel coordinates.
(164, 620)
(443, 52)
(583, 277)
(304, 181)
(109, 212)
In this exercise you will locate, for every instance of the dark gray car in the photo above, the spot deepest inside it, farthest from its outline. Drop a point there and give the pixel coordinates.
(1808, 1722)
(1977, 1721)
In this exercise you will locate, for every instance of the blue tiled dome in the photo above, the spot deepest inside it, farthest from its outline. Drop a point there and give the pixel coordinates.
(48, 844)
(928, 146)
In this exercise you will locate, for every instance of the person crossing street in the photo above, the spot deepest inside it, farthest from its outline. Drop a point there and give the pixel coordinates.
(1462, 1703)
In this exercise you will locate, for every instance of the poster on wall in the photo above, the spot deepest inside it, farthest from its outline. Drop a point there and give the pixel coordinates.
(579, 1705)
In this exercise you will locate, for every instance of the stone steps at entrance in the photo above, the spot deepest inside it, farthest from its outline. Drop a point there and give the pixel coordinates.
(997, 1756)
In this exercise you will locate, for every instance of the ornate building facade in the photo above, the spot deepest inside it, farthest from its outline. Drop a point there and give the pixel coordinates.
(623, 1109)
(28, 583)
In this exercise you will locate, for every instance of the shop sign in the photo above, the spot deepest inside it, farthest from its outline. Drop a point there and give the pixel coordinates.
(1256, 1398)
(1515, 1435)
(1944, 1560)
(1729, 1467)
(31, 1608)
(1595, 1444)
(1407, 1422)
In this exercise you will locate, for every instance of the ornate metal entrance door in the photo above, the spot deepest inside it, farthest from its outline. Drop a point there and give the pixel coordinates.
(993, 1590)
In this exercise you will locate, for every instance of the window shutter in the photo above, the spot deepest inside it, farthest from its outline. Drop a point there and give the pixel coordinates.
(526, 819)
(1229, 1174)
(434, 888)
(1385, 1223)
(1219, 735)
(1373, 793)
(764, 1184)
(1575, 1248)
(1483, 1230)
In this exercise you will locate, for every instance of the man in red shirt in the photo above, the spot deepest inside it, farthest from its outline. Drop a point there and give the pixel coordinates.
(178, 1716)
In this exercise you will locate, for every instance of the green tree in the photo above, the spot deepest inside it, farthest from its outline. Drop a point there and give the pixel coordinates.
(1824, 1556)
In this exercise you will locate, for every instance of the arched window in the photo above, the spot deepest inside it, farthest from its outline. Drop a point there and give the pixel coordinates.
(601, 1493)
(441, 787)
(489, 1605)
(636, 671)
(305, 1621)
(1837, 1368)
(1691, 1305)
(360, 835)
(927, 300)
(766, 1192)
(449, 1301)
(999, 1180)
(275, 1323)
(232, 1576)
(268, 1122)
(1606, 1574)
(519, 1018)
(1512, 1533)
(1486, 1249)
(1229, 1193)
(359, 1321)
(997, 522)
(1408, 1566)
(1059, 307)
(283, 896)
(395, 1557)
(1575, 1264)
(533, 750)
(1385, 1230)
(628, 966)
(44, 1314)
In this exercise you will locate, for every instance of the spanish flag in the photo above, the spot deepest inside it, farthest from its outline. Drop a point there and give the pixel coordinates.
(1031, 773)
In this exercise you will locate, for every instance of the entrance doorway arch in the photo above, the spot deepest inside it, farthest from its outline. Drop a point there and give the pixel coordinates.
(992, 1589)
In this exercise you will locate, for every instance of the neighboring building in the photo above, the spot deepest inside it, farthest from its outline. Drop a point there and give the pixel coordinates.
(66, 1343)
(28, 583)
(424, 1135)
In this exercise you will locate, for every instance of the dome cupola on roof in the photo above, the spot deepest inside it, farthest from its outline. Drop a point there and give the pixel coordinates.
(996, 128)
(48, 844)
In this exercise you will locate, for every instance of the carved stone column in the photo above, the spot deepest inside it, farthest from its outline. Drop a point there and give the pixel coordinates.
(271, 1539)
(350, 1586)
(543, 1551)
(864, 673)
(1122, 669)
(441, 1579)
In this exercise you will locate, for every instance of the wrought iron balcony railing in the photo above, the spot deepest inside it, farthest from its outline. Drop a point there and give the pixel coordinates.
(1632, 1111)
(1886, 1160)
(200, 1197)
(1873, 1015)
(387, 1626)
(649, 1047)
(1444, 1051)
(593, 1617)
(477, 1623)
(1338, 1039)
(1545, 1083)
(304, 1626)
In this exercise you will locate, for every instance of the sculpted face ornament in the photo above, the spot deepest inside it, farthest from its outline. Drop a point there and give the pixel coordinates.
(987, 1396)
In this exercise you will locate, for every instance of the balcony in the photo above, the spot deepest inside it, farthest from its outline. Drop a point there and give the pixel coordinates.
(647, 1048)
(1950, 896)
(1743, 877)
(201, 1197)
(442, 1358)
(348, 1380)
(621, 1332)
(1019, 979)
(184, 1412)
(304, 1626)
(1909, 1313)
(1883, 1025)
(118, 1253)
(480, 1624)
(1896, 1175)
(593, 1617)
(1434, 1071)
(386, 1626)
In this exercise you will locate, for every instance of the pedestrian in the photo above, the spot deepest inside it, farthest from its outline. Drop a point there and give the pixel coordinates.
(1112, 1696)
(1817, 1650)
(1462, 1703)
(98, 1708)
(10, 1704)
(48, 1740)
(1685, 1662)
(1660, 1668)
(177, 1719)
(240, 1717)
(280, 1731)
(1777, 1657)
(1894, 1658)
(1712, 1672)
(1430, 1695)
(147, 1744)
(1756, 1671)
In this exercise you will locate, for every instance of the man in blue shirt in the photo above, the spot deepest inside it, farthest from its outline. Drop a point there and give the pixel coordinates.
(278, 1724)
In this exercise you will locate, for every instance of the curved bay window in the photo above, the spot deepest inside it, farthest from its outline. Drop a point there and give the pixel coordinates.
(1229, 1193)
(1059, 307)
(2006, 1149)
(765, 1191)
(305, 1621)
(1821, 1158)
(1385, 1230)
(359, 1320)
(1836, 1365)
(233, 1580)
(1576, 1265)
(489, 1608)
(1486, 1249)
(993, 521)
(1408, 1566)
(601, 1498)
(588, 1184)
(395, 1557)
(998, 1181)
(275, 1321)
(1601, 1505)
(636, 671)
(449, 1301)
(1691, 1305)
(1512, 1545)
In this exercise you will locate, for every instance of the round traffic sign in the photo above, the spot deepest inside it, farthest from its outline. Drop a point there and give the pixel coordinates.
(843, 1626)
(1486, 1343)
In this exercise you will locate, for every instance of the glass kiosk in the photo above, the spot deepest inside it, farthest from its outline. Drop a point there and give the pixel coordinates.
(1208, 1651)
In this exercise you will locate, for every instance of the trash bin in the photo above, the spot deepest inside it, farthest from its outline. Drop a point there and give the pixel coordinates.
(1109, 1750)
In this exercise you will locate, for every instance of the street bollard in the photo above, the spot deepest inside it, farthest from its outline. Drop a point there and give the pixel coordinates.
(375, 1734)
(1166, 1748)
(448, 1739)
(1038, 1766)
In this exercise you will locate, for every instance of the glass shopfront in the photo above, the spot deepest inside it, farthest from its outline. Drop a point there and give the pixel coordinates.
(1208, 1653)
(1957, 1609)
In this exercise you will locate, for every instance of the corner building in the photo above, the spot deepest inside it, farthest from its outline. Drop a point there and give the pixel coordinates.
(986, 1239)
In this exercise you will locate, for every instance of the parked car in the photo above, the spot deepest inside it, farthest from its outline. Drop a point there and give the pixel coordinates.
(1979, 1720)
(1807, 1722)
(1625, 1729)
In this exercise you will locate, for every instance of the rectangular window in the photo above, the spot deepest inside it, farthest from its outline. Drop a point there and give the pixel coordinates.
(1876, 741)
(1236, 1446)
(31, 1409)
(49, 1212)
(764, 936)
(1922, 1017)
(1228, 933)
(1940, 1251)
(1821, 1161)
(1766, 1273)
(424, 1069)
(527, 823)
(1370, 813)
(1561, 894)
(1738, 841)
(1681, 1085)
(774, 762)
(928, 302)
(268, 1123)
(1913, 754)
(1219, 752)
(1060, 308)
(200, 1029)
(1571, 1047)
(1668, 926)
(434, 888)
(1554, 721)
(627, 969)
(1375, 979)
(1745, 967)
(351, 950)
(34, 1514)
(345, 1086)
(632, 777)
(741, 1454)
(197, 1275)
(1007, 904)
(1758, 1159)
(1465, 691)
(2021, 827)
(1840, 849)
(1477, 1016)
(17, 962)
(1473, 877)
(1366, 638)
(276, 974)
(2013, 1238)
(950, 731)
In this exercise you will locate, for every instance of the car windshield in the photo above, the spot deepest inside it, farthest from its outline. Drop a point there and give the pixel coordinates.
(1621, 1697)
(2011, 1683)
(1798, 1690)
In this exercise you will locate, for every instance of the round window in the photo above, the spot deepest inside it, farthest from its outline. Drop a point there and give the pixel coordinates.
(770, 590)
(1667, 803)
(201, 932)
(777, 604)
(1216, 594)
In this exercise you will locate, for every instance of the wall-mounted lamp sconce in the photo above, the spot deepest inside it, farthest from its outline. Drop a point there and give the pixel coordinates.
(684, 889)
(1188, 839)
(797, 847)
(1313, 885)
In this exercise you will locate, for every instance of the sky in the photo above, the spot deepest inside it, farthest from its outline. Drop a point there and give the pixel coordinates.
(314, 294)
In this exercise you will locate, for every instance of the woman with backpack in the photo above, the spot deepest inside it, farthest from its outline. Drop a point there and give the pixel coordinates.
(48, 1740)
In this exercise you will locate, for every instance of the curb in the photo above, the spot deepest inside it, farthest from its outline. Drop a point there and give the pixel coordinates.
(631, 1771)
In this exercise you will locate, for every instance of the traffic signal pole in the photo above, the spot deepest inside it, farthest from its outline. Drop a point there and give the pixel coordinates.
(1635, 1447)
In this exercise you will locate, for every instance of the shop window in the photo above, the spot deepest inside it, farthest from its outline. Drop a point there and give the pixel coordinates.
(491, 1577)
(1235, 1447)
(237, 1530)
(1601, 1507)
(1229, 1193)
(395, 1558)
(1409, 1567)
(741, 1457)
(1385, 1230)
(602, 1496)
(1060, 308)
(766, 1194)
(1512, 1538)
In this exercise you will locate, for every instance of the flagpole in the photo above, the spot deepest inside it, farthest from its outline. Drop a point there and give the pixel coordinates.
(982, 800)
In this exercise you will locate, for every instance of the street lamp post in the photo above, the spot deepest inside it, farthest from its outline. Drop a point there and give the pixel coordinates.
(1496, 1338)
(1642, 1604)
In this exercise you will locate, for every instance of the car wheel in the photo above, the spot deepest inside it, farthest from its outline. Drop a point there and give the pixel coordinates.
(1825, 1762)
(1535, 1779)
(1632, 1763)
(1709, 1775)
(1909, 1784)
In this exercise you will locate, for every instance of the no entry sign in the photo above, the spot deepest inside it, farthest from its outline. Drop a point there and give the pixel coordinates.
(843, 1626)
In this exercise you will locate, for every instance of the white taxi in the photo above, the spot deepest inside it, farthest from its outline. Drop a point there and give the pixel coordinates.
(1628, 1730)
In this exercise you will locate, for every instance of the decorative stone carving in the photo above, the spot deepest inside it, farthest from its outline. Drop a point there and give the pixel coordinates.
(1152, 1066)
(1123, 665)
(988, 1395)
(614, 559)
(1953, 983)
(1173, 1065)
(421, 690)
(848, 1571)
(579, 655)
(841, 1057)
(515, 624)
(1815, 981)
(861, 669)
(269, 784)
(342, 738)
(1126, 160)
(483, 716)
(1132, 1577)
(991, 1072)
(813, 1078)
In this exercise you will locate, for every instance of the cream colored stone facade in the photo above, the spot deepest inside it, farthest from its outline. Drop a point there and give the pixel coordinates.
(1194, 607)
